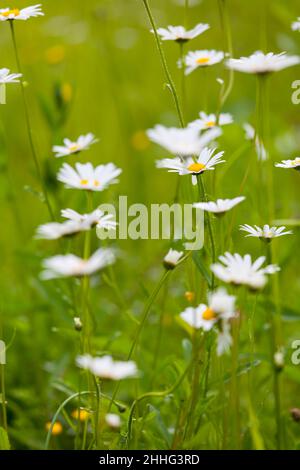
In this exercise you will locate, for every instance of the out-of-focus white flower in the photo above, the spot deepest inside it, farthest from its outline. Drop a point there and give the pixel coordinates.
(220, 206)
(113, 420)
(20, 14)
(259, 146)
(260, 63)
(195, 59)
(207, 121)
(82, 143)
(279, 359)
(7, 77)
(182, 142)
(296, 25)
(180, 34)
(106, 368)
(87, 177)
(289, 164)
(172, 258)
(97, 217)
(206, 161)
(239, 270)
(224, 340)
(71, 265)
(266, 232)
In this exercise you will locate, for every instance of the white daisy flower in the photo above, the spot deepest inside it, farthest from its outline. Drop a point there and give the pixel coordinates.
(206, 161)
(224, 339)
(87, 177)
(71, 265)
(259, 146)
(180, 34)
(266, 232)
(221, 306)
(220, 206)
(55, 230)
(195, 59)
(97, 217)
(7, 77)
(296, 25)
(207, 121)
(113, 420)
(289, 164)
(82, 143)
(20, 14)
(182, 142)
(239, 270)
(106, 368)
(172, 258)
(260, 63)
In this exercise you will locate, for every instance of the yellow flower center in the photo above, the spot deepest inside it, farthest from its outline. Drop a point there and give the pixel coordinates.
(84, 182)
(96, 183)
(14, 12)
(296, 161)
(196, 167)
(74, 148)
(202, 60)
(210, 124)
(208, 314)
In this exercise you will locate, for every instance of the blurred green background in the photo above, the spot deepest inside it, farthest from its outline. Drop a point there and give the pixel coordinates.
(93, 67)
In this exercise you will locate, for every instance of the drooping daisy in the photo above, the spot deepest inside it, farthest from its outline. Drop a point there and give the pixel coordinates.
(71, 265)
(259, 146)
(82, 143)
(296, 25)
(20, 14)
(207, 121)
(172, 258)
(7, 77)
(289, 164)
(206, 161)
(106, 368)
(180, 34)
(87, 177)
(239, 270)
(195, 59)
(220, 206)
(260, 63)
(55, 230)
(266, 232)
(97, 217)
(182, 142)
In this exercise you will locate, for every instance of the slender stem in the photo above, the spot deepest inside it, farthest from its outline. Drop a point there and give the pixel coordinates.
(186, 12)
(28, 125)
(182, 70)
(170, 84)
(202, 194)
(225, 24)
(3, 397)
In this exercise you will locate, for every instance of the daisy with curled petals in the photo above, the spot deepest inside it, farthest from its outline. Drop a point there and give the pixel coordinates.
(206, 161)
(295, 164)
(240, 270)
(207, 121)
(97, 217)
(261, 63)
(106, 368)
(172, 259)
(180, 34)
(218, 312)
(182, 142)
(264, 233)
(85, 176)
(61, 266)
(20, 14)
(296, 25)
(220, 206)
(195, 59)
(7, 77)
(69, 148)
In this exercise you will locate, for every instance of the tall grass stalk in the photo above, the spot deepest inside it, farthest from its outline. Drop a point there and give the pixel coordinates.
(226, 28)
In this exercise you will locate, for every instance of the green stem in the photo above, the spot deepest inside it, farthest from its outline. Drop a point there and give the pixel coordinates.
(225, 24)
(28, 125)
(3, 397)
(182, 70)
(170, 81)
(202, 194)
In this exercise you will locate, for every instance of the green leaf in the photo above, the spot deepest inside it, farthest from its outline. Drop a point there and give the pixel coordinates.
(4, 441)
(201, 267)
